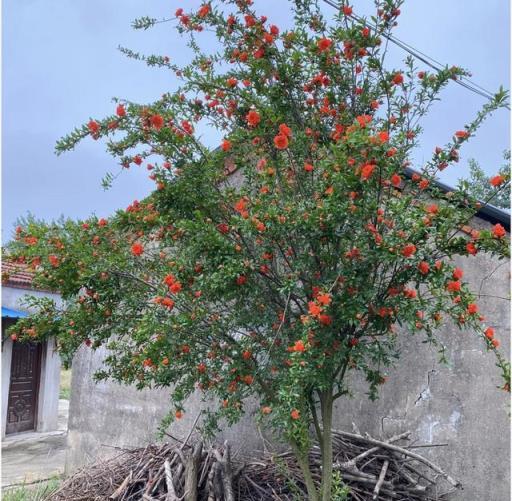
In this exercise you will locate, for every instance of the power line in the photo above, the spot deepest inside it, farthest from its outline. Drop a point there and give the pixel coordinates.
(421, 56)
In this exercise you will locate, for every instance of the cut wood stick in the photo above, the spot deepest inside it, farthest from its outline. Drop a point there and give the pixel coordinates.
(380, 481)
(171, 492)
(395, 448)
(191, 430)
(351, 464)
(120, 490)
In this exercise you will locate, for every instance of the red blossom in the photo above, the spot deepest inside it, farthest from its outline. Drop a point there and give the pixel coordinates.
(299, 346)
(281, 142)
(253, 118)
(424, 267)
(398, 79)
(295, 414)
(498, 231)
(453, 286)
(396, 180)
(137, 249)
(457, 274)
(472, 308)
(94, 127)
(223, 228)
(496, 180)
(203, 10)
(471, 249)
(226, 145)
(324, 44)
(489, 333)
(409, 250)
(367, 171)
(157, 121)
(285, 130)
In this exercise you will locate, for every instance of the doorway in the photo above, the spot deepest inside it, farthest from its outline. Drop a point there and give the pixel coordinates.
(23, 387)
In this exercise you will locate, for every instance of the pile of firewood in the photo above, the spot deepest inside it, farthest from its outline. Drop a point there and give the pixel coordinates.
(371, 469)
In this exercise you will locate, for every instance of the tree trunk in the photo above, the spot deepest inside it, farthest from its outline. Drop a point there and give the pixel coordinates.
(303, 460)
(326, 402)
(191, 470)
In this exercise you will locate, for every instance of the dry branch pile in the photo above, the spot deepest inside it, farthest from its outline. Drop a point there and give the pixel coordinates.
(372, 469)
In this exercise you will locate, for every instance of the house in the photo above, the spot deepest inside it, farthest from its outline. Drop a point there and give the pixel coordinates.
(30, 371)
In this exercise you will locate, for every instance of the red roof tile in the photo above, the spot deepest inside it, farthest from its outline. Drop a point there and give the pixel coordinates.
(17, 274)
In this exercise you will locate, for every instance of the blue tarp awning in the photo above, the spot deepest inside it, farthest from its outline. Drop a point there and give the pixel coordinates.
(7, 312)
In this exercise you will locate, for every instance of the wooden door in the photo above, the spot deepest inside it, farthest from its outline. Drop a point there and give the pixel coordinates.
(24, 387)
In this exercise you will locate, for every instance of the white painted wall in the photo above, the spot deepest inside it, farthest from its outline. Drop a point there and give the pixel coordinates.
(48, 398)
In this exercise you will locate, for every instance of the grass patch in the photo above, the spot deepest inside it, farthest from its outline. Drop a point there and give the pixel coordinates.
(31, 492)
(65, 384)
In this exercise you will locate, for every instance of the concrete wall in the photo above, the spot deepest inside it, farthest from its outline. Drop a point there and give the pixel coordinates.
(457, 404)
(48, 398)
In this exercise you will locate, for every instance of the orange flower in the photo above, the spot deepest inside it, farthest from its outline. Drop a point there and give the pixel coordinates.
(472, 308)
(241, 205)
(384, 136)
(471, 249)
(281, 142)
(457, 274)
(495, 343)
(203, 10)
(295, 414)
(93, 127)
(266, 410)
(324, 299)
(453, 286)
(325, 319)
(324, 44)
(409, 250)
(54, 260)
(496, 180)
(314, 309)
(157, 121)
(232, 82)
(367, 171)
(489, 333)
(178, 414)
(396, 180)
(498, 231)
(285, 130)
(424, 267)
(241, 280)
(226, 145)
(299, 346)
(253, 118)
(137, 249)
(398, 79)
(308, 167)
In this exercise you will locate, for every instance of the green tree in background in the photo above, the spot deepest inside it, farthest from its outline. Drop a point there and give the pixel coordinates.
(481, 186)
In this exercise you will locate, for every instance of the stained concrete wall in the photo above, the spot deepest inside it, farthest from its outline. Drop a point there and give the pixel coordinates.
(48, 397)
(457, 404)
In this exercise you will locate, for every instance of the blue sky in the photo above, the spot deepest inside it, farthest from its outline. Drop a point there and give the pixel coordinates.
(61, 66)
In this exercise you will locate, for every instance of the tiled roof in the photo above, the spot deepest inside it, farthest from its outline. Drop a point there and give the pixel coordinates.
(16, 274)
